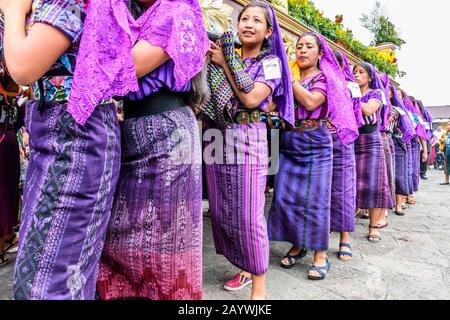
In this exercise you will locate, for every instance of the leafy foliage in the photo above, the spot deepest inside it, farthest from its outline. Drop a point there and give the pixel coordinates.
(305, 12)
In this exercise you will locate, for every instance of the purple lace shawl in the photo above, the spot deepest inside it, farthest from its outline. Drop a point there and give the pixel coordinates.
(340, 104)
(284, 102)
(350, 77)
(105, 66)
(404, 122)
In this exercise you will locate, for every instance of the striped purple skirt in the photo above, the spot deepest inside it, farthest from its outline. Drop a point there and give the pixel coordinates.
(9, 180)
(372, 184)
(153, 247)
(236, 171)
(416, 158)
(401, 167)
(68, 195)
(343, 187)
(300, 210)
(389, 153)
(410, 168)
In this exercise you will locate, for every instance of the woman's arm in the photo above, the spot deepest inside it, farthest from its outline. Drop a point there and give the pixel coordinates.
(309, 100)
(370, 107)
(253, 98)
(147, 58)
(423, 142)
(28, 57)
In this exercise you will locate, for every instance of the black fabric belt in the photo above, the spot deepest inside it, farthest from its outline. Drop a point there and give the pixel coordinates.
(370, 128)
(156, 103)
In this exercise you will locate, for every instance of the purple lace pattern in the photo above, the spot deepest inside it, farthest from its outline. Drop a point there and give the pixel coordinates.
(105, 66)
(340, 103)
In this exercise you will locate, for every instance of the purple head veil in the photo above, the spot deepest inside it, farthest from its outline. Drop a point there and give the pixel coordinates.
(386, 110)
(285, 100)
(350, 77)
(375, 84)
(405, 123)
(415, 112)
(105, 66)
(340, 104)
(428, 119)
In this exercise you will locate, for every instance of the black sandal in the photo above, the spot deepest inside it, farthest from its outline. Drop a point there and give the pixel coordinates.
(3, 259)
(11, 243)
(293, 259)
(373, 238)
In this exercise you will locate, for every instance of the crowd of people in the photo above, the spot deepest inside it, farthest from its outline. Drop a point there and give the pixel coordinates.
(112, 204)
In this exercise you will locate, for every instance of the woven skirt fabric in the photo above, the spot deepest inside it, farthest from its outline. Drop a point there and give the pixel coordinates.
(153, 247)
(389, 153)
(236, 173)
(343, 187)
(401, 167)
(410, 168)
(67, 201)
(372, 184)
(300, 210)
(416, 159)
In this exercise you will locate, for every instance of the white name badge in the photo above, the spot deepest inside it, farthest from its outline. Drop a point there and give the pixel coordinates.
(427, 126)
(400, 111)
(354, 89)
(272, 69)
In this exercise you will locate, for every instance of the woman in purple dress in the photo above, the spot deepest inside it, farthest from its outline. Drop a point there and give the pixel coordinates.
(153, 246)
(236, 188)
(300, 211)
(73, 166)
(372, 185)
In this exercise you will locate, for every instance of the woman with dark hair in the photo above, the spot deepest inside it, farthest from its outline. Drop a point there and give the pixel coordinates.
(300, 211)
(73, 166)
(153, 246)
(236, 190)
(373, 190)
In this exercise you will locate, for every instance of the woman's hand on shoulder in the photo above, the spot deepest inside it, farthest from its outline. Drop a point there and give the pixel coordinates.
(21, 6)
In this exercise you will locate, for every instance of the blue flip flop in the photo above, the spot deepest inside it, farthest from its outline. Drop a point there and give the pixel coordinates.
(344, 253)
(323, 271)
(293, 259)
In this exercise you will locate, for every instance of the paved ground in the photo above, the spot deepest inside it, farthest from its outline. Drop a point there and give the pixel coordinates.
(411, 262)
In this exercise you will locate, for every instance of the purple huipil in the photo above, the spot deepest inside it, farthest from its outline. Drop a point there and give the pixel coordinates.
(176, 33)
(70, 181)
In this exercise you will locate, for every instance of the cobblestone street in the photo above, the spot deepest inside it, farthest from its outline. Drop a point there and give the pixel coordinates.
(411, 262)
